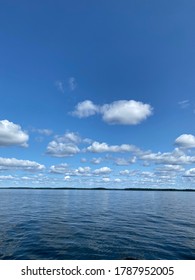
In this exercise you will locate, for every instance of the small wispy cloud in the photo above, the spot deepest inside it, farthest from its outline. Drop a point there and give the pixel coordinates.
(72, 83)
(184, 104)
(69, 84)
(43, 131)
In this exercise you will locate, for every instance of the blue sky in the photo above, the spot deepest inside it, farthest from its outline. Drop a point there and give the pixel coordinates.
(97, 93)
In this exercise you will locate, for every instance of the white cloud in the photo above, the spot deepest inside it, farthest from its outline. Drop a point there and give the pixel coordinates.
(16, 164)
(102, 170)
(64, 146)
(57, 149)
(143, 178)
(106, 180)
(96, 160)
(82, 171)
(177, 157)
(124, 161)
(147, 174)
(67, 178)
(171, 168)
(6, 177)
(26, 178)
(12, 134)
(59, 169)
(69, 137)
(164, 174)
(185, 141)
(97, 147)
(125, 112)
(85, 109)
(72, 137)
(117, 180)
(125, 172)
(190, 173)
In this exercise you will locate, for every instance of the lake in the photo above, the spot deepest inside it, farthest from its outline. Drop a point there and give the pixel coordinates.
(95, 224)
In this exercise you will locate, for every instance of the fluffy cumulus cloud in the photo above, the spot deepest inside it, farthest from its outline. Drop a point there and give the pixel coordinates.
(125, 172)
(62, 169)
(117, 180)
(85, 109)
(97, 147)
(185, 141)
(190, 173)
(64, 146)
(82, 171)
(67, 178)
(57, 149)
(102, 170)
(106, 180)
(16, 164)
(171, 168)
(70, 137)
(59, 169)
(124, 161)
(177, 157)
(12, 134)
(125, 112)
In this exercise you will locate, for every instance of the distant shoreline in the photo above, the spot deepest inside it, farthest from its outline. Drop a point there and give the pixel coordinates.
(100, 189)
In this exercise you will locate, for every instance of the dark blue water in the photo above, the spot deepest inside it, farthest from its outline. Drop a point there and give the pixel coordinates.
(73, 224)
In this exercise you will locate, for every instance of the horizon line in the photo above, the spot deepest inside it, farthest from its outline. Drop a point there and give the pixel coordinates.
(100, 188)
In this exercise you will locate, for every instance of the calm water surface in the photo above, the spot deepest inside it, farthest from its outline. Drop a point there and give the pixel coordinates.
(75, 224)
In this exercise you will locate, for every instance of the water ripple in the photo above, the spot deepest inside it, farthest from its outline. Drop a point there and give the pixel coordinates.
(37, 224)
